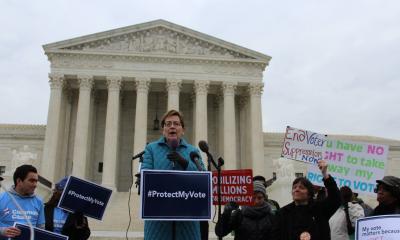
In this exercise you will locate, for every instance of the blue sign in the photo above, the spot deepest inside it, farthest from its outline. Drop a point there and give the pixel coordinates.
(176, 195)
(86, 197)
(39, 234)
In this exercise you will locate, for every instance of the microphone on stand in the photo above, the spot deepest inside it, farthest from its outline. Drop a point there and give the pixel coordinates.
(194, 156)
(173, 144)
(204, 148)
(138, 155)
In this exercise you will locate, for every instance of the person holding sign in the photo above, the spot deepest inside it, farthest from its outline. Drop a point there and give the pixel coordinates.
(171, 152)
(30, 206)
(305, 218)
(250, 222)
(73, 225)
(388, 196)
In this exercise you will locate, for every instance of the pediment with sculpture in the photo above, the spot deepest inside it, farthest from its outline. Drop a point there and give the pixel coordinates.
(158, 40)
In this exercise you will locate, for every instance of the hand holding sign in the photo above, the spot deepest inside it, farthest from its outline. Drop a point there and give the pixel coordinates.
(11, 232)
(323, 166)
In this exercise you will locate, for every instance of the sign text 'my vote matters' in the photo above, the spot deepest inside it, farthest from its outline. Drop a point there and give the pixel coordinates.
(175, 195)
(354, 164)
(303, 145)
(378, 228)
(236, 186)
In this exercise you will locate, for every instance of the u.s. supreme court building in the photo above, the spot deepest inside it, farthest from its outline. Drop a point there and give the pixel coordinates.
(109, 91)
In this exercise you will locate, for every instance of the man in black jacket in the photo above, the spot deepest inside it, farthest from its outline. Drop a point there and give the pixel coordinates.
(305, 218)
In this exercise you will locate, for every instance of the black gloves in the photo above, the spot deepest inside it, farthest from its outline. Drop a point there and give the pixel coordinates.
(233, 215)
(177, 158)
(229, 207)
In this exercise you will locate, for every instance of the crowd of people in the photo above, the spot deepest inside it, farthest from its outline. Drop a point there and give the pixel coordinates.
(331, 215)
(20, 204)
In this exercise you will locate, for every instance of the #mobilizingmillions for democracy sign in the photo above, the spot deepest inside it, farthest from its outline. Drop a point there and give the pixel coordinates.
(385, 227)
(354, 164)
(303, 145)
(175, 195)
(236, 186)
(86, 197)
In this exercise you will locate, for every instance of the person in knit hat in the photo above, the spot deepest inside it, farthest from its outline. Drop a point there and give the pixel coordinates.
(73, 225)
(272, 203)
(248, 222)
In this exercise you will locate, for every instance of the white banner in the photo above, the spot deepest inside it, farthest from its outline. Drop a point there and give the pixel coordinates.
(354, 164)
(303, 145)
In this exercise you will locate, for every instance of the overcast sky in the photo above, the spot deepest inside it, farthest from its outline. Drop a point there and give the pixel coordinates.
(334, 68)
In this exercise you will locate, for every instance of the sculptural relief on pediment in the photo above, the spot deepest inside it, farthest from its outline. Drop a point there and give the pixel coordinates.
(159, 41)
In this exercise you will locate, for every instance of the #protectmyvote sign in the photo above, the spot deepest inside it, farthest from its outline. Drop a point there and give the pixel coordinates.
(175, 195)
(39, 234)
(83, 196)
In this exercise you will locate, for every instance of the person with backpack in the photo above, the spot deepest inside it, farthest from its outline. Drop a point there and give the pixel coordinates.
(342, 223)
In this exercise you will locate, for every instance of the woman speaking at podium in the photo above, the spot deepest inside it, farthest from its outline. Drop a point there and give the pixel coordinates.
(171, 152)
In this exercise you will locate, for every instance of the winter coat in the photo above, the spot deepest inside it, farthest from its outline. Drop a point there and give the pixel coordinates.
(249, 223)
(386, 209)
(313, 218)
(338, 222)
(155, 157)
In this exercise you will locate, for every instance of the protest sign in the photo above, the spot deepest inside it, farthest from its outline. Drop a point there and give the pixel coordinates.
(175, 195)
(354, 164)
(86, 197)
(385, 227)
(303, 145)
(39, 234)
(236, 186)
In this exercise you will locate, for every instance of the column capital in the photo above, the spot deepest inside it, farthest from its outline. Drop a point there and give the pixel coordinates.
(256, 89)
(201, 87)
(56, 81)
(173, 84)
(86, 82)
(114, 83)
(243, 100)
(228, 88)
(142, 84)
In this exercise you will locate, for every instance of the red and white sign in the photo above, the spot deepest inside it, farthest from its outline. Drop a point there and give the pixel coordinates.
(236, 186)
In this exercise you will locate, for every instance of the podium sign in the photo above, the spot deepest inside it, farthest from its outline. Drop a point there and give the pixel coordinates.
(175, 195)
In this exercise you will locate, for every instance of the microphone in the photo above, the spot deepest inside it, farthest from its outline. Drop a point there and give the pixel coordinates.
(195, 158)
(138, 155)
(173, 143)
(203, 146)
(221, 161)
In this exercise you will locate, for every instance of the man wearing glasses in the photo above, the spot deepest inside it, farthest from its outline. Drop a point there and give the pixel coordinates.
(171, 152)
